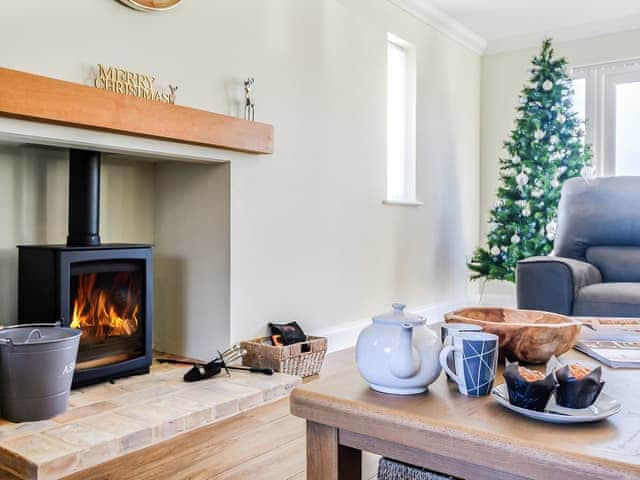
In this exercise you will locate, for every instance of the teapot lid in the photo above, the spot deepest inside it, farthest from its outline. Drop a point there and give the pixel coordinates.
(398, 316)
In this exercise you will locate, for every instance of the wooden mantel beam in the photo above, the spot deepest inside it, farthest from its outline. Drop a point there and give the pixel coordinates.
(38, 98)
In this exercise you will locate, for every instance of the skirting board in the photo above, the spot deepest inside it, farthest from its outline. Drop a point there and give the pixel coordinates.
(346, 335)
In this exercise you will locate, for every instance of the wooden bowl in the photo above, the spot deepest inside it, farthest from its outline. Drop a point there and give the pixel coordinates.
(525, 335)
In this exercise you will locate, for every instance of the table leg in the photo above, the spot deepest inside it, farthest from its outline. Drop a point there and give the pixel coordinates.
(327, 459)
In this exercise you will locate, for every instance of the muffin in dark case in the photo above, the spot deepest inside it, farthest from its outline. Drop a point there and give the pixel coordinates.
(527, 388)
(578, 390)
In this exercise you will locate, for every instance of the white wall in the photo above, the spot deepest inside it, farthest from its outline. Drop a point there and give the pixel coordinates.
(310, 239)
(503, 76)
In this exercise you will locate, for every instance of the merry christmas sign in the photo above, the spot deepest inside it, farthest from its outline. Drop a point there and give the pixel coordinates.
(140, 85)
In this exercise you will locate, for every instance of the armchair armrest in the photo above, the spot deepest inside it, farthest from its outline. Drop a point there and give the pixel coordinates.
(551, 283)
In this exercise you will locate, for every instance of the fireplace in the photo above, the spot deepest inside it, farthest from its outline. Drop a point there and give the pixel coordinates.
(104, 289)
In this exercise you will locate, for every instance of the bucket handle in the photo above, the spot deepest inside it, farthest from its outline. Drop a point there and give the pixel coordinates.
(7, 341)
(33, 333)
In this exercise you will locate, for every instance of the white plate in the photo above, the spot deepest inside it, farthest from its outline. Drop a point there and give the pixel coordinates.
(604, 407)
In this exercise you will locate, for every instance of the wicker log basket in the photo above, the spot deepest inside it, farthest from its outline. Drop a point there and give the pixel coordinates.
(290, 359)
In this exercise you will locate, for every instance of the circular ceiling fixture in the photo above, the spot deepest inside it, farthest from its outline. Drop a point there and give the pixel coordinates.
(151, 5)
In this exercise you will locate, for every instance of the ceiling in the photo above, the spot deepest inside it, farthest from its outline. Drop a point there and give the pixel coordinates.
(513, 24)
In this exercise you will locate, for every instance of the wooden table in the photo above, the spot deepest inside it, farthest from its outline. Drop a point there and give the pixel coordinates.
(465, 437)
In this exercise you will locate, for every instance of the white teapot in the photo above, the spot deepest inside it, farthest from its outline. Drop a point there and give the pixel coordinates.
(398, 353)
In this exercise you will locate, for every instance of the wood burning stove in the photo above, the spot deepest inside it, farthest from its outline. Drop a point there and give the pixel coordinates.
(104, 289)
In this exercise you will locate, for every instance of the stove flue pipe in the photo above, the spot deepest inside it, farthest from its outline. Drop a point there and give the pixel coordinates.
(84, 198)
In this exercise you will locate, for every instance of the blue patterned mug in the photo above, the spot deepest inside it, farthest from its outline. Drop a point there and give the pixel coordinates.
(447, 331)
(475, 355)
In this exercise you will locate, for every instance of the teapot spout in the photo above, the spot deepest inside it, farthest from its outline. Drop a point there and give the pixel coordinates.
(405, 362)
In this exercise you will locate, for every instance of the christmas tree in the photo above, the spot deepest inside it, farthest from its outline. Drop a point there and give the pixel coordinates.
(545, 148)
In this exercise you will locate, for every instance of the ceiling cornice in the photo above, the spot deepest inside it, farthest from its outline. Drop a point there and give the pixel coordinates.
(566, 34)
(436, 18)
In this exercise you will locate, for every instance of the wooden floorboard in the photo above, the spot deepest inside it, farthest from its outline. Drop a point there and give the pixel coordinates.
(208, 451)
(280, 463)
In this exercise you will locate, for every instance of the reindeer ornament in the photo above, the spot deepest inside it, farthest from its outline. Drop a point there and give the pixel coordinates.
(249, 106)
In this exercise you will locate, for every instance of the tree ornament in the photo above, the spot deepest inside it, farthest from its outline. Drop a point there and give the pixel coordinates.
(561, 118)
(547, 86)
(588, 171)
(515, 160)
(538, 134)
(526, 212)
(515, 239)
(554, 139)
(551, 229)
(495, 251)
(522, 179)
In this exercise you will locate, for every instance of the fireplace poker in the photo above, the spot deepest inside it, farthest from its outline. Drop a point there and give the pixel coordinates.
(202, 371)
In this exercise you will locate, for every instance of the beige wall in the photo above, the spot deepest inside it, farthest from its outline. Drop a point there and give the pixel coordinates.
(310, 239)
(503, 76)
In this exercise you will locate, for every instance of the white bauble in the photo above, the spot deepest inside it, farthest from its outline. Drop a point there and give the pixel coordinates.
(522, 179)
(554, 139)
(515, 160)
(539, 134)
(561, 118)
(551, 229)
(537, 193)
(515, 239)
(587, 171)
(547, 86)
(526, 212)
(555, 183)
(495, 251)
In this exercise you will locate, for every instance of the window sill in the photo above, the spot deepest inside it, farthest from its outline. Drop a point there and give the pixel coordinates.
(403, 203)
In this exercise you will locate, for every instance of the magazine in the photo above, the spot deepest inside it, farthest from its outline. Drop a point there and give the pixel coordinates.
(614, 342)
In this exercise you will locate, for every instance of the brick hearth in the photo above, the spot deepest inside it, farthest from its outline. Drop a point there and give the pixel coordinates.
(110, 420)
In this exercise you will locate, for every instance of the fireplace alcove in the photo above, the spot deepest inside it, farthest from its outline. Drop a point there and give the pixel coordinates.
(181, 208)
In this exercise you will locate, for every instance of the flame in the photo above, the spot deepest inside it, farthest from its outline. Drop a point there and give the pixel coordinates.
(105, 313)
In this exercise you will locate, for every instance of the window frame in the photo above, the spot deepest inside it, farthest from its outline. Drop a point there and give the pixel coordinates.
(408, 197)
(600, 129)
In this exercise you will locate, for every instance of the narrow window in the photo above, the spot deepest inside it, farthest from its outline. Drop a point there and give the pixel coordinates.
(401, 121)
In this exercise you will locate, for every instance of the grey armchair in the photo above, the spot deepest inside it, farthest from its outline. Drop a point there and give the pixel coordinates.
(595, 267)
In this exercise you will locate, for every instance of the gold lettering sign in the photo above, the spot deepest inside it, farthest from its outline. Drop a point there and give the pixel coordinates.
(140, 85)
